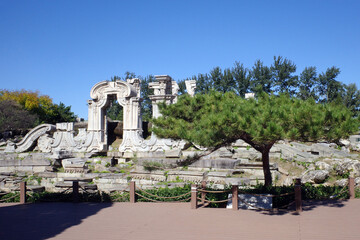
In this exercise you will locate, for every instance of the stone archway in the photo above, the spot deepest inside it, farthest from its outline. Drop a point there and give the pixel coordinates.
(128, 96)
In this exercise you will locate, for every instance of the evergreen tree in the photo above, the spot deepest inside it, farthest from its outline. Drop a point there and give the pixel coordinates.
(282, 72)
(352, 98)
(242, 77)
(261, 80)
(217, 119)
(329, 89)
(308, 83)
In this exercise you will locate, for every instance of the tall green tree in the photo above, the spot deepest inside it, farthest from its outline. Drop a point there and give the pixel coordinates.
(203, 83)
(352, 98)
(218, 119)
(115, 110)
(308, 83)
(283, 71)
(261, 78)
(242, 77)
(329, 89)
(146, 106)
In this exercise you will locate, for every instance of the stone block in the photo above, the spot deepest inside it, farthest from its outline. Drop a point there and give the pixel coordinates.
(38, 169)
(29, 161)
(315, 176)
(237, 181)
(174, 153)
(47, 174)
(220, 163)
(128, 155)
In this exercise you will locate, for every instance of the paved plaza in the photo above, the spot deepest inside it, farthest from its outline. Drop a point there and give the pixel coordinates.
(103, 221)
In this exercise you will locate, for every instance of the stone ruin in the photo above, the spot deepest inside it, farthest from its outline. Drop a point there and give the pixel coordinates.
(62, 137)
(77, 151)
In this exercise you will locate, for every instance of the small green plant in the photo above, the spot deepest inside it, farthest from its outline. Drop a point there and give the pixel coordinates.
(107, 164)
(248, 147)
(98, 162)
(166, 174)
(184, 168)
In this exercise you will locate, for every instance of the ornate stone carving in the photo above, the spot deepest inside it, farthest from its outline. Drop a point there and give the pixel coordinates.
(94, 139)
(30, 138)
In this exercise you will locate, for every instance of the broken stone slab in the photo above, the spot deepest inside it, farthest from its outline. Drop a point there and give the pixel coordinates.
(237, 181)
(47, 174)
(325, 151)
(283, 171)
(341, 182)
(220, 153)
(240, 143)
(315, 176)
(61, 154)
(174, 153)
(73, 162)
(68, 184)
(323, 166)
(79, 179)
(288, 151)
(219, 163)
(246, 154)
(115, 154)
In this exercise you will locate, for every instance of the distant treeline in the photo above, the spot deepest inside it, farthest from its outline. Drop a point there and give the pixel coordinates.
(280, 77)
(20, 110)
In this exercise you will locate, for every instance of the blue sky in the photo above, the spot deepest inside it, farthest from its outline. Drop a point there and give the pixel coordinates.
(62, 48)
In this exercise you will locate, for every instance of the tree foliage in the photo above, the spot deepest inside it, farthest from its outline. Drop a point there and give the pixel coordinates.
(218, 119)
(14, 117)
(39, 105)
(278, 78)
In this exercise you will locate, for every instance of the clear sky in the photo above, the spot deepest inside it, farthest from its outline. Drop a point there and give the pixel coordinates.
(62, 48)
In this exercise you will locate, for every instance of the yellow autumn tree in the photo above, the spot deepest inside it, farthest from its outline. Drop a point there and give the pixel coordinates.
(38, 104)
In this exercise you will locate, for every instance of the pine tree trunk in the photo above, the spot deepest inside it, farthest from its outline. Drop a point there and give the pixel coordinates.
(266, 167)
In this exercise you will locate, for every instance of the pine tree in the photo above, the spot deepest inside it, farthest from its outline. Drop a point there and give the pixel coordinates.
(218, 119)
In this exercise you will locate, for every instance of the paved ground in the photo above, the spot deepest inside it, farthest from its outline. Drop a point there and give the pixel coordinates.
(320, 220)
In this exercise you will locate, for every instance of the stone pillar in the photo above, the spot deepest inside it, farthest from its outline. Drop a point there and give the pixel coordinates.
(190, 87)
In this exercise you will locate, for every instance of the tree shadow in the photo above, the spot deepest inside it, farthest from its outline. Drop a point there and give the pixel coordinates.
(43, 220)
(307, 205)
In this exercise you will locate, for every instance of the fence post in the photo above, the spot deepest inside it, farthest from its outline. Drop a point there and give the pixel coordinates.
(351, 188)
(298, 201)
(75, 191)
(235, 201)
(22, 192)
(193, 196)
(203, 194)
(132, 192)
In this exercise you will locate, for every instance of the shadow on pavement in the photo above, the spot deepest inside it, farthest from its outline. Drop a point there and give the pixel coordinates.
(43, 220)
(308, 205)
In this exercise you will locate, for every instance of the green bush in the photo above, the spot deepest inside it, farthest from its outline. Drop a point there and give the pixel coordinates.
(165, 192)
